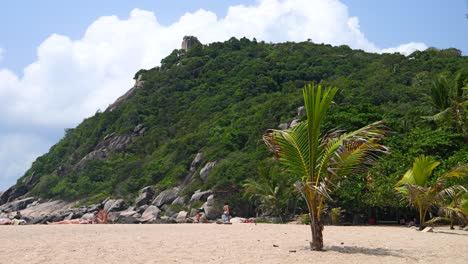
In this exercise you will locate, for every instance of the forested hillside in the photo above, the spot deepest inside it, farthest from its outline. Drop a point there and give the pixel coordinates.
(218, 99)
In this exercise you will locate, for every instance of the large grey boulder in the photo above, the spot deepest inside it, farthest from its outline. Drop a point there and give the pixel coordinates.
(294, 123)
(128, 217)
(166, 197)
(213, 208)
(21, 204)
(112, 217)
(166, 220)
(87, 216)
(142, 208)
(146, 195)
(114, 205)
(181, 217)
(92, 208)
(283, 126)
(200, 196)
(206, 170)
(151, 214)
(300, 111)
(179, 200)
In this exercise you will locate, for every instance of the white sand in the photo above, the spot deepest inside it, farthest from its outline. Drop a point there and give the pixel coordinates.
(237, 243)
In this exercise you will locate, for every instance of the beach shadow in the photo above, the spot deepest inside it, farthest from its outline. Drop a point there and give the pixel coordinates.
(450, 233)
(366, 251)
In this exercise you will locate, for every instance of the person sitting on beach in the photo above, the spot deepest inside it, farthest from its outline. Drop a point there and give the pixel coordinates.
(101, 216)
(197, 217)
(18, 216)
(71, 222)
(225, 215)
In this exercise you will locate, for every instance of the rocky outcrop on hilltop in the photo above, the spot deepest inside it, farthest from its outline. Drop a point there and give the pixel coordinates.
(189, 41)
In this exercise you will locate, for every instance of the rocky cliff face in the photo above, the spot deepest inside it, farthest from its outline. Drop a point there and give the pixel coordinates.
(129, 94)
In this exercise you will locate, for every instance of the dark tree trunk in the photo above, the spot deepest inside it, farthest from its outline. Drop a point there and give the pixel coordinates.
(317, 238)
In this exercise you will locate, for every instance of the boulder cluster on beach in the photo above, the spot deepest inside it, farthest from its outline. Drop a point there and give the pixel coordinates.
(148, 207)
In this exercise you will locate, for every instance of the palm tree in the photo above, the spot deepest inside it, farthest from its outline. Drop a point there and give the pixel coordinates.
(320, 160)
(271, 191)
(450, 101)
(423, 193)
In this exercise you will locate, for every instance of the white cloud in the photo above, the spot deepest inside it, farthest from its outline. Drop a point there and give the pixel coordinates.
(406, 49)
(71, 79)
(17, 152)
(1, 54)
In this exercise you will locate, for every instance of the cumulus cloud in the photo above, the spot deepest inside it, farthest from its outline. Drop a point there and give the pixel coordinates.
(406, 49)
(17, 152)
(71, 79)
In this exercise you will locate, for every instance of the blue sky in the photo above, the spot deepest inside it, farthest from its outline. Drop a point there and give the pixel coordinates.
(61, 61)
(26, 24)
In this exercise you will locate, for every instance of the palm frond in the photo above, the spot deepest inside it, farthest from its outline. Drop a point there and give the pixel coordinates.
(290, 148)
(460, 171)
(450, 193)
(442, 115)
(441, 93)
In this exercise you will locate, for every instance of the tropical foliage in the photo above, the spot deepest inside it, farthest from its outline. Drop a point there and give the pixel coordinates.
(271, 192)
(319, 160)
(422, 192)
(218, 99)
(450, 100)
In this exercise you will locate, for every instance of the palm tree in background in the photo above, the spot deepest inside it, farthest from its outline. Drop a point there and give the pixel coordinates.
(454, 208)
(421, 192)
(271, 190)
(319, 160)
(450, 100)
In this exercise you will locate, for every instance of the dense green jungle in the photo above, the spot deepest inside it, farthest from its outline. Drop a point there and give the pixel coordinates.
(219, 99)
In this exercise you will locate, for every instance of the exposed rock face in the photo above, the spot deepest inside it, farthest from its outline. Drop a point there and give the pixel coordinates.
(179, 200)
(188, 42)
(206, 170)
(181, 217)
(151, 214)
(128, 217)
(142, 208)
(110, 144)
(200, 196)
(193, 167)
(146, 195)
(166, 197)
(196, 161)
(19, 205)
(300, 111)
(129, 94)
(12, 193)
(114, 205)
(213, 208)
(283, 126)
(294, 123)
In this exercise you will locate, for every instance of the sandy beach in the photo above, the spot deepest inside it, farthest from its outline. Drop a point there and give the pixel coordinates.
(237, 243)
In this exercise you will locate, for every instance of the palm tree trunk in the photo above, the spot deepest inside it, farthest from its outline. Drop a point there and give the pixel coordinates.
(422, 218)
(316, 227)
